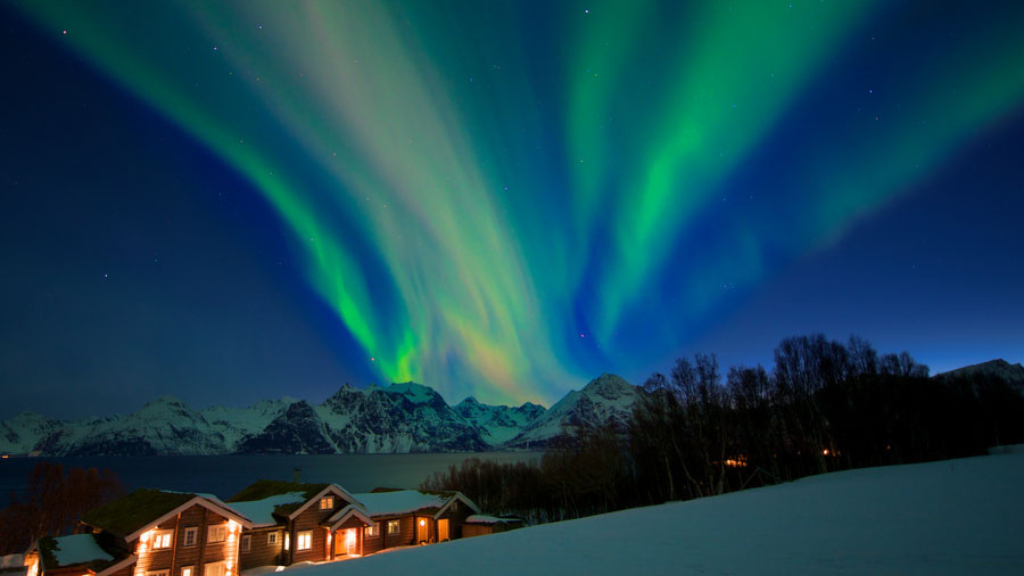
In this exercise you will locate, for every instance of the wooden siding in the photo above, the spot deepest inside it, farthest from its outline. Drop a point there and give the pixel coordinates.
(311, 520)
(456, 519)
(179, 555)
(261, 551)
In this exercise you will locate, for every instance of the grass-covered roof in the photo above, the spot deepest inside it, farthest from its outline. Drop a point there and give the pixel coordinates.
(262, 489)
(134, 511)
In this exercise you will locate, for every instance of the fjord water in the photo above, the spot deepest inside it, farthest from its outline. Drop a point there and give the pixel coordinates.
(226, 475)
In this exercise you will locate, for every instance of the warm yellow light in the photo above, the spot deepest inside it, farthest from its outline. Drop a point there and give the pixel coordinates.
(232, 525)
(423, 522)
(825, 452)
(146, 535)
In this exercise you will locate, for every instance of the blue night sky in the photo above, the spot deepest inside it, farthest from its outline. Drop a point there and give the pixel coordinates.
(500, 199)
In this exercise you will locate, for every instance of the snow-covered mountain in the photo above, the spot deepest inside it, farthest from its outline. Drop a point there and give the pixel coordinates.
(498, 424)
(607, 399)
(1012, 374)
(403, 417)
(21, 433)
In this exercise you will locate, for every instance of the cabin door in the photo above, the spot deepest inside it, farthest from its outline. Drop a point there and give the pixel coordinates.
(422, 530)
(346, 543)
(442, 530)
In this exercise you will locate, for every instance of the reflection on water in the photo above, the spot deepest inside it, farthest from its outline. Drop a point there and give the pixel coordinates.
(226, 475)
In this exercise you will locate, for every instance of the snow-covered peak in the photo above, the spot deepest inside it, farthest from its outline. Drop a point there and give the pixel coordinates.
(415, 393)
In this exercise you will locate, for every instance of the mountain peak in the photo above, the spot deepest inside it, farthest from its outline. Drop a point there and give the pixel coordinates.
(999, 368)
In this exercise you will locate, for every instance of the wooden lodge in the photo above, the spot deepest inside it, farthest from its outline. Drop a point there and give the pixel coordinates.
(270, 523)
(146, 533)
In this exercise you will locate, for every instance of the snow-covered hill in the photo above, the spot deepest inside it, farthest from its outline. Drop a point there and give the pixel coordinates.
(607, 399)
(942, 518)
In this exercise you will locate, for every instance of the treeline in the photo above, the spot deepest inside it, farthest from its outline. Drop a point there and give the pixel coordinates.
(53, 503)
(697, 431)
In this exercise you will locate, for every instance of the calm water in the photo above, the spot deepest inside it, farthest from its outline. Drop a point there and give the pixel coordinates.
(226, 475)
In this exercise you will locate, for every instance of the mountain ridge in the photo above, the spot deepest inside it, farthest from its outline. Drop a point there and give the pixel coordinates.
(398, 418)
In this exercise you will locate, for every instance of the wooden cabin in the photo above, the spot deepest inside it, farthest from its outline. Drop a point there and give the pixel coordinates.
(289, 522)
(147, 533)
(481, 525)
(407, 517)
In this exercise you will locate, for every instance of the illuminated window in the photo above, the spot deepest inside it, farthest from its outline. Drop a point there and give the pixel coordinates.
(162, 539)
(287, 541)
(393, 527)
(187, 571)
(327, 503)
(214, 569)
(158, 573)
(372, 531)
(191, 536)
(304, 540)
(272, 538)
(246, 543)
(217, 533)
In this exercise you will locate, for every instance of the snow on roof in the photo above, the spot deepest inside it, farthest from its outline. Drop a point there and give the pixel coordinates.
(261, 512)
(482, 519)
(78, 549)
(399, 502)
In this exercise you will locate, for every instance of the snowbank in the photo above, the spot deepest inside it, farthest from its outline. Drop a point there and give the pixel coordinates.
(953, 517)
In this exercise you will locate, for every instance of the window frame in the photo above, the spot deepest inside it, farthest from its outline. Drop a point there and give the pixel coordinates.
(272, 538)
(162, 536)
(221, 529)
(219, 564)
(327, 503)
(306, 535)
(372, 531)
(191, 570)
(397, 527)
(245, 543)
(193, 532)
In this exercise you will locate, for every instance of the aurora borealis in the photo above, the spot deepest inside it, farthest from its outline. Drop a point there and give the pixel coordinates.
(506, 198)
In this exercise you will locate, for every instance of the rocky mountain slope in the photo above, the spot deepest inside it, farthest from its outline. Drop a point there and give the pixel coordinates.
(1012, 374)
(399, 418)
(605, 399)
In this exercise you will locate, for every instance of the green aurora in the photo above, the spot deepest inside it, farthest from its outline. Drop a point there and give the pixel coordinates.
(470, 215)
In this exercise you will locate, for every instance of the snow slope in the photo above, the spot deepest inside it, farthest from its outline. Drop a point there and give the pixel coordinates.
(953, 517)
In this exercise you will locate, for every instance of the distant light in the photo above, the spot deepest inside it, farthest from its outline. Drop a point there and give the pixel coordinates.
(423, 522)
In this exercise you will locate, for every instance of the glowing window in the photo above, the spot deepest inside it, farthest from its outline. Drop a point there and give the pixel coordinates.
(187, 571)
(327, 503)
(214, 569)
(191, 536)
(162, 539)
(217, 533)
(157, 573)
(393, 527)
(372, 531)
(304, 540)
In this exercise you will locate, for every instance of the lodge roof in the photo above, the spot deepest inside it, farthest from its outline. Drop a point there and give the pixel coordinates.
(82, 550)
(283, 497)
(130, 513)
